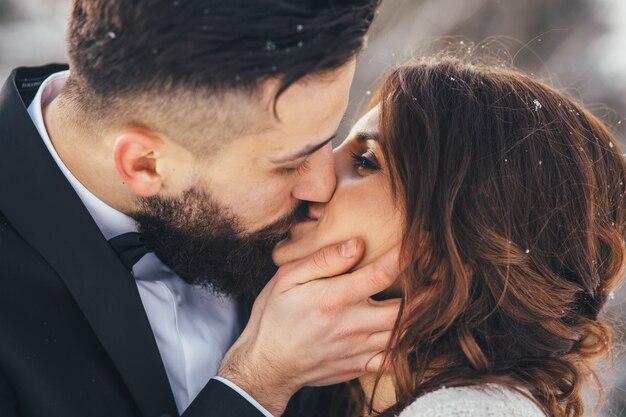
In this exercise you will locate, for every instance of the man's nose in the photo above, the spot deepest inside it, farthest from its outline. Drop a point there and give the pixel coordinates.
(318, 184)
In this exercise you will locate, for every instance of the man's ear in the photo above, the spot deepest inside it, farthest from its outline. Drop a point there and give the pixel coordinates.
(136, 154)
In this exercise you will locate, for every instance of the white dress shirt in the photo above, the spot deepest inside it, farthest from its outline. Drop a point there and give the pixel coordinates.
(193, 328)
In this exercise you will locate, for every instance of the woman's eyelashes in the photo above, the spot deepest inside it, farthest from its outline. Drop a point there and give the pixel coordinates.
(366, 161)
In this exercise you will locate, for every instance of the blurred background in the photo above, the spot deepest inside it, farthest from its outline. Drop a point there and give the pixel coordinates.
(576, 45)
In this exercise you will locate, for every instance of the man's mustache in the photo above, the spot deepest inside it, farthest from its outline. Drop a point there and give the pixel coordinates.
(280, 228)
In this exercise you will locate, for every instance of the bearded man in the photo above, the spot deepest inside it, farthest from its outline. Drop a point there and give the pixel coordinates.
(142, 189)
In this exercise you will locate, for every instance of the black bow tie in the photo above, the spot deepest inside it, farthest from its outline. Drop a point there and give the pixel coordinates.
(130, 247)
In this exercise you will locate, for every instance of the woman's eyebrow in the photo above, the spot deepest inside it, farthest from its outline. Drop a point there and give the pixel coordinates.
(305, 152)
(365, 136)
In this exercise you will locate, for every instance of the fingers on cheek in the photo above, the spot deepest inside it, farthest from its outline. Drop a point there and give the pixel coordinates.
(285, 274)
(367, 362)
(378, 341)
(350, 343)
(354, 364)
(330, 307)
(321, 262)
(346, 332)
(372, 344)
(374, 363)
(388, 316)
(370, 320)
(383, 276)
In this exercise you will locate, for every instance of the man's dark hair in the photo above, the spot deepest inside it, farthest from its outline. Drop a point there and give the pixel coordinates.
(124, 47)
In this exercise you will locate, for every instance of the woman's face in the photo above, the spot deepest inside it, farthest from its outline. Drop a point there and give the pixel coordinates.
(362, 205)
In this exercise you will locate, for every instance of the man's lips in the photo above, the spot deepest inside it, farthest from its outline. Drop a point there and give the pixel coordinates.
(310, 217)
(307, 218)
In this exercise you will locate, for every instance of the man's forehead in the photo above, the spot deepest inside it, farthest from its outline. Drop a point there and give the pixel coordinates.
(309, 112)
(306, 115)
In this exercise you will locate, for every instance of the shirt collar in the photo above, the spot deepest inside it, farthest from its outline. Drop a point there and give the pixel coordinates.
(110, 221)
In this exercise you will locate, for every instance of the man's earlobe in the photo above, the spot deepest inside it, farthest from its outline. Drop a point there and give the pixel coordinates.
(136, 155)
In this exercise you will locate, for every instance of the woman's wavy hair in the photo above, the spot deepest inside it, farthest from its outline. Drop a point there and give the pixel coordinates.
(519, 191)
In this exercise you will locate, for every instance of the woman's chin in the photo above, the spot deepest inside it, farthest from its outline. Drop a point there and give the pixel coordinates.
(290, 250)
(278, 255)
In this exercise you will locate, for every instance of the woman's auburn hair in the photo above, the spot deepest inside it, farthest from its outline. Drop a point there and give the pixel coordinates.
(513, 200)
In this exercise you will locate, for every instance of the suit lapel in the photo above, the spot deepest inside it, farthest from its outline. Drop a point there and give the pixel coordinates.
(45, 210)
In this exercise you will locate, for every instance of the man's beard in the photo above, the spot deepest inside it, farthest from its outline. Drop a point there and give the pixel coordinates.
(205, 244)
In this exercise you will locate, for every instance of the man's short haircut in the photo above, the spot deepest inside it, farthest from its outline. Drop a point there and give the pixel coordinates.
(120, 48)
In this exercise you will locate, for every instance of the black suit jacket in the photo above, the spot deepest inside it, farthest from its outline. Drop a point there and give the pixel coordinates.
(75, 340)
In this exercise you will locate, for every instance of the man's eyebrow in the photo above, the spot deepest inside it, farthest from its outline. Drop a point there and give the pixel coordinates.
(365, 136)
(309, 150)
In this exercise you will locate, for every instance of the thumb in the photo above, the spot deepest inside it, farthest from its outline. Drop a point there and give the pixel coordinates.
(327, 262)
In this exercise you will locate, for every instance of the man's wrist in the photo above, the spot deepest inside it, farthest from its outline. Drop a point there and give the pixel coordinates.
(244, 394)
(271, 392)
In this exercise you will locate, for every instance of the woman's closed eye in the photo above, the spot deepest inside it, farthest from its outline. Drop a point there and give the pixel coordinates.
(366, 161)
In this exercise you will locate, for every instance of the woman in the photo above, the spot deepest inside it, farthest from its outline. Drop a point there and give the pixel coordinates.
(508, 199)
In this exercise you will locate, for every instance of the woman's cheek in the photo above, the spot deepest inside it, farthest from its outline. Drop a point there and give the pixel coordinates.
(380, 222)
(359, 208)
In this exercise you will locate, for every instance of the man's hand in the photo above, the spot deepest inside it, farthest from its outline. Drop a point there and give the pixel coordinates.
(313, 326)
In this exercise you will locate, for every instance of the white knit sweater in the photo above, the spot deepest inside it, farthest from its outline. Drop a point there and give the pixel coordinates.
(489, 400)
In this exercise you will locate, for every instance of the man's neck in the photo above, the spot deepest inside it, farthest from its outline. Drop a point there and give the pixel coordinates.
(87, 156)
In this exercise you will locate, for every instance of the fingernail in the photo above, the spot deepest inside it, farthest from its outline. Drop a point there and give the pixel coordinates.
(348, 249)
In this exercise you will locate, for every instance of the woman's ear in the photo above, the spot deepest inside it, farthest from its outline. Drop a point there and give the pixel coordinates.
(136, 155)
